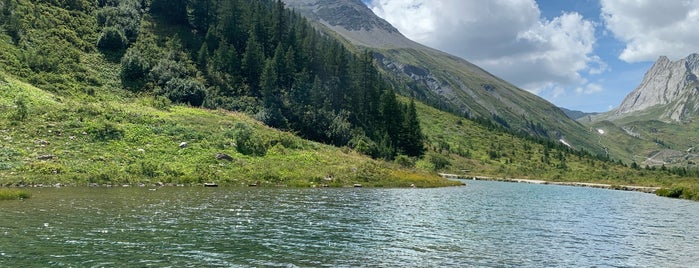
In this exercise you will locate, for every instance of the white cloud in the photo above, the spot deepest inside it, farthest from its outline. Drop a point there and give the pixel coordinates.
(588, 89)
(506, 37)
(652, 28)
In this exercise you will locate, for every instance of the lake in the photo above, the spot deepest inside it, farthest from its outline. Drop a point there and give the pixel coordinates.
(491, 224)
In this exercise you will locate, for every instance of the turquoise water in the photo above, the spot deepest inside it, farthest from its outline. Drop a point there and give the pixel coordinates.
(491, 224)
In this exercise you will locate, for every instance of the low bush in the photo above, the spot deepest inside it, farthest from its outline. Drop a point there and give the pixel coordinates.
(675, 192)
(112, 38)
(13, 194)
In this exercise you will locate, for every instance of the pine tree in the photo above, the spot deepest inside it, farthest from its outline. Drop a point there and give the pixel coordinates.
(392, 118)
(413, 140)
(200, 14)
(252, 64)
(269, 84)
(231, 26)
(172, 10)
(203, 55)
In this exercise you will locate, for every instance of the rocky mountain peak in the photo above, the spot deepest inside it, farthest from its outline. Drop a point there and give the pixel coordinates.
(692, 62)
(669, 88)
(353, 20)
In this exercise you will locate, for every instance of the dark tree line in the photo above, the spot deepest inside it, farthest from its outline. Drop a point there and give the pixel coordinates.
(259, 57)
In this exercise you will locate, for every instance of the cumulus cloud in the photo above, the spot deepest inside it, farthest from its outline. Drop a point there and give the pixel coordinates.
(588, 89)
(506, 37)
(653, 28)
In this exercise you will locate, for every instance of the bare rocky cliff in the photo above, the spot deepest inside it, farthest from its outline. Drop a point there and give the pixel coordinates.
(670, 89)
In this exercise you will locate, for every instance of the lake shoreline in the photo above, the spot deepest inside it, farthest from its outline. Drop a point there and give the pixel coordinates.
(633, 188)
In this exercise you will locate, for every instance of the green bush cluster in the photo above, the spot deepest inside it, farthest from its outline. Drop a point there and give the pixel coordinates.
(120, 24)
(248, 142)
(679, 192)
(112, 38)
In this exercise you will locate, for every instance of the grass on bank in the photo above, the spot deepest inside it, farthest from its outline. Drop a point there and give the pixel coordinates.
(13, 194)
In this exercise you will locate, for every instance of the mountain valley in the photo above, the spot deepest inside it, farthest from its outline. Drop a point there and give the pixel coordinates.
(128, 92)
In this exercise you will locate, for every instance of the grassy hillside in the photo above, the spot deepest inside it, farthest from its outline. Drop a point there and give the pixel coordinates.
(466, 147)
(56, 139)
(651, 142)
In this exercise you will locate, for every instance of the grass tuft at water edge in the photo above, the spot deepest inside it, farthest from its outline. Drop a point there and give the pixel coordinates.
(13, 194)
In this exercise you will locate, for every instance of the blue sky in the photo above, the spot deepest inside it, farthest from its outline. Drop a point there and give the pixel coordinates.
(580, 54)
(619, 79)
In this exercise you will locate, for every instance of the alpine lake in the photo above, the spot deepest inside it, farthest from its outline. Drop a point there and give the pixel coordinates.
(482, 224)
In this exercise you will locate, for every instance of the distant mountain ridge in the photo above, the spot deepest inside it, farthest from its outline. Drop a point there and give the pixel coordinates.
(443, 80)
(669, 92)
(575, 115)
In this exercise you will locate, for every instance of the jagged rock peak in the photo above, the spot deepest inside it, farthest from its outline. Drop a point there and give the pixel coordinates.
(350, 14)
(671, 86)
(354, 21)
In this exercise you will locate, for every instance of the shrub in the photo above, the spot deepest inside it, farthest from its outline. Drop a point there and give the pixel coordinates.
(112, 38)
(340, 128)
(134, 68)
(439, 161)
(363, 144)
(185, 91)
(21, 111)
(247, 142)
(104, 131)
(405, 161)
(675, 192)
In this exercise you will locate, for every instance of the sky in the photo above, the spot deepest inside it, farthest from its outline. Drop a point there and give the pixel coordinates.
(584, 55)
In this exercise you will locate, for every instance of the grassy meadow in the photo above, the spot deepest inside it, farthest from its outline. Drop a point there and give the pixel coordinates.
(51, 139)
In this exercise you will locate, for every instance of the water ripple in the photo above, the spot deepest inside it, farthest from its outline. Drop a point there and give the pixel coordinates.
(486, 224)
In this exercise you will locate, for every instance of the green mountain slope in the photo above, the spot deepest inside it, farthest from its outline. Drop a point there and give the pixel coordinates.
(442, 80)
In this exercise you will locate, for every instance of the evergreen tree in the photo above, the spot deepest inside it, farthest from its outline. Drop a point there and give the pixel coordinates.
(172, 10)
(392, 119)
(413, 140)
(200, 14)
(231, 25)
(269, 84)
(252, 63)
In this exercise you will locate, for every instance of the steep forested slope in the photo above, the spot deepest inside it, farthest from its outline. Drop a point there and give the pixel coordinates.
(256, 57)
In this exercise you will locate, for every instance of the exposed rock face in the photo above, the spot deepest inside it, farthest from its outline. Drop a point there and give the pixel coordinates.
(353, 20)
(670, 86)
